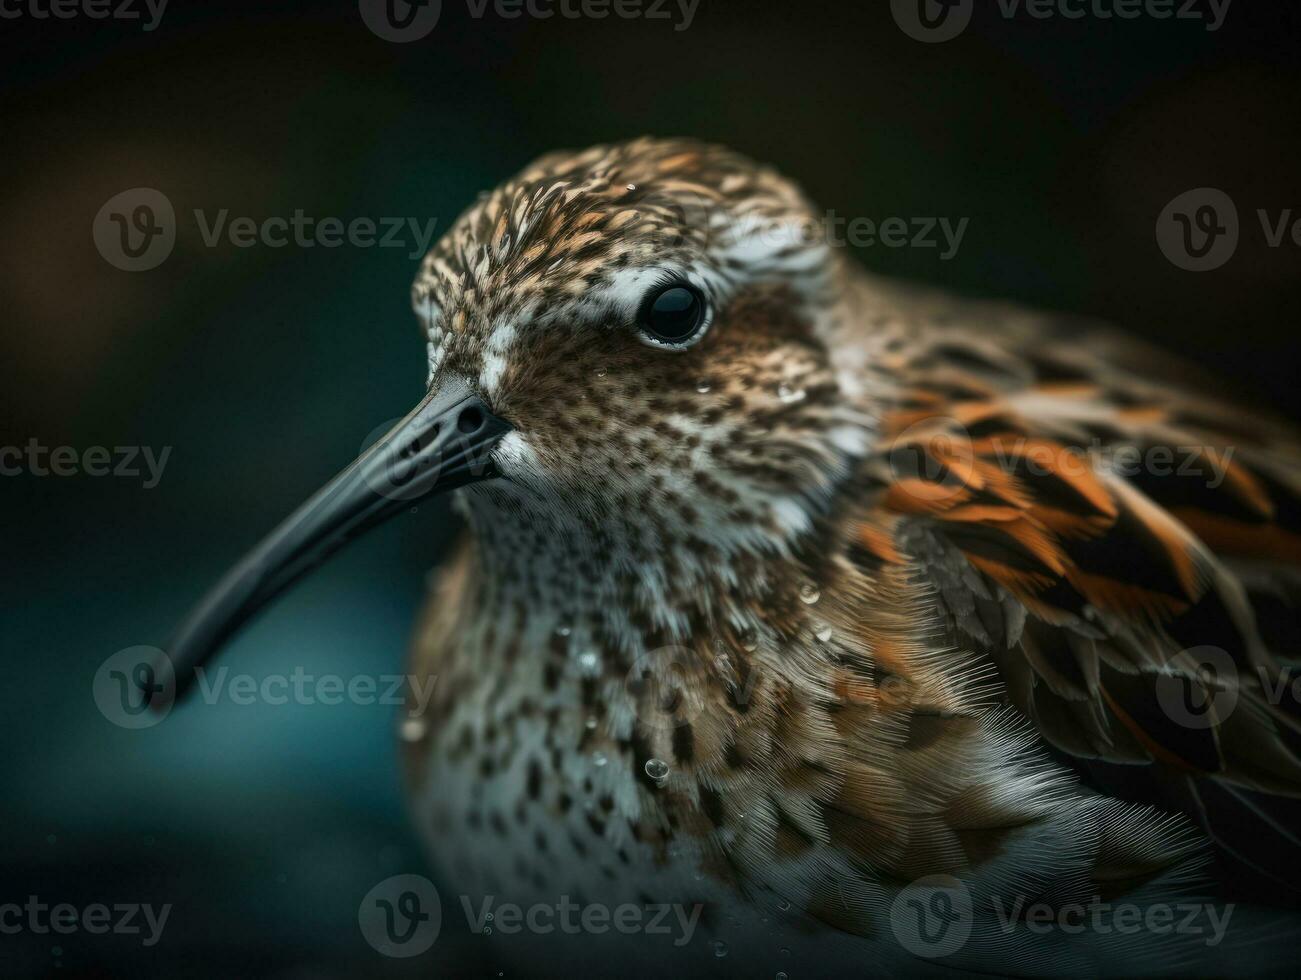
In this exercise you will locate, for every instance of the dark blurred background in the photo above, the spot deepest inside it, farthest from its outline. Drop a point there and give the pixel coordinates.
(264, 368)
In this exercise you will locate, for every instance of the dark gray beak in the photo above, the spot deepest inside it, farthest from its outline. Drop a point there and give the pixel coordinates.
(444, 443)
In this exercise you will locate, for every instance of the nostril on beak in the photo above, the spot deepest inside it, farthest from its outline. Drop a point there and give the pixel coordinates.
(470, 420)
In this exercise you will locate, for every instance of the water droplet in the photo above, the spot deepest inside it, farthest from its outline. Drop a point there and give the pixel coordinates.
(822, 631)
(590, 724)
(589, 662)
(784, 905)
(658, 770)
(785, 951)
(782, 975)
(413, 729)
(600, 372)
(720, 948)
(809, 593)
(487, 930)
(599, 759)
(563, 631)
(789, 395)
(488, 917)
(632, 187)
(703, 387)
(749, 640)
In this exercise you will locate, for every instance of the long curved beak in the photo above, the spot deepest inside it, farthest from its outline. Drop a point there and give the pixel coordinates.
(445, 442)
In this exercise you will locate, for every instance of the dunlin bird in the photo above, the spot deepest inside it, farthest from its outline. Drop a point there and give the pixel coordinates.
(822, 602)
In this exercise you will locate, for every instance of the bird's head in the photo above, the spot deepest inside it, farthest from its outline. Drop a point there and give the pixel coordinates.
(648, 317)
(627, 347)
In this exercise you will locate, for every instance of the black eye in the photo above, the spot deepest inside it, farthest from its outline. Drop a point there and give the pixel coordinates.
(673, 315)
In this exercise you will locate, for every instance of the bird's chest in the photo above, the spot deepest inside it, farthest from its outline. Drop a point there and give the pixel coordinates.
(525, 777)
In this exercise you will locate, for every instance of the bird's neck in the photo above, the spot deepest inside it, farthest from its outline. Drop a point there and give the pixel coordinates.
(636, 582)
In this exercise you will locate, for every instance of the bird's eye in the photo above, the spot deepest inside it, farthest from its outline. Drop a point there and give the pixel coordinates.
(672, 315)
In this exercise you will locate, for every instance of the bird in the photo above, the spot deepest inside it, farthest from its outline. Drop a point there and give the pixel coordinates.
(816, 602)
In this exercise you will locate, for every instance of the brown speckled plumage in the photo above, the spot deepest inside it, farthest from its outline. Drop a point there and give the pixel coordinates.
(849, 567)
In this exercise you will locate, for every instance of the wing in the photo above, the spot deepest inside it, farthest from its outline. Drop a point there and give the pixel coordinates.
(1127, 554)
